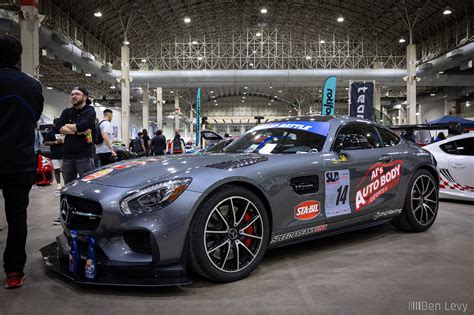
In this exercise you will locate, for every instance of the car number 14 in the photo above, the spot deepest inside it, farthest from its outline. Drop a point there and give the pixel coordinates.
(337, 192)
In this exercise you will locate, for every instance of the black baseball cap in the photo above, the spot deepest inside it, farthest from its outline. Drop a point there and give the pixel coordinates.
(85, 92)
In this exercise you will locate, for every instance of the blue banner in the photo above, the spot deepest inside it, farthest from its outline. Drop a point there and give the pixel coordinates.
(198, 116)
(318, 127)
(329, 97)
(361, 100)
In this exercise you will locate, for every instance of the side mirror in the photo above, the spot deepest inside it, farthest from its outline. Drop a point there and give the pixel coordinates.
(351, 142)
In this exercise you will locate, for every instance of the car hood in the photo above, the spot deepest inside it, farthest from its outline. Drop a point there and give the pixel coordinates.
(138, 172)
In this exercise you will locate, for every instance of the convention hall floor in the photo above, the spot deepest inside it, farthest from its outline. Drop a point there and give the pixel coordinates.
(374, 271)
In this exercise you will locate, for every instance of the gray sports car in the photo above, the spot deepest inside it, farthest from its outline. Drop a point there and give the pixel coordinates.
(279, 183)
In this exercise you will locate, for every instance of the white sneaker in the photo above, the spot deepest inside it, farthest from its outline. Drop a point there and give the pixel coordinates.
(59, 187)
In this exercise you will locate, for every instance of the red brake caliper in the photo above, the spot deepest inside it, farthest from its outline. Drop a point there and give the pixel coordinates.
(248, 230)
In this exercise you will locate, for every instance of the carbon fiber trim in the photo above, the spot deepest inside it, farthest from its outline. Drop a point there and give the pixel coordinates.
(238, 163)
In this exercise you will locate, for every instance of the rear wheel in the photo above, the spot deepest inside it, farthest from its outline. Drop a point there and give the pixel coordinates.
(421, 204)
(229, 235)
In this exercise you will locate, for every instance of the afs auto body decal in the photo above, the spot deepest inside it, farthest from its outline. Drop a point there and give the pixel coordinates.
(299, 233)
(307, 210)
(379, 179)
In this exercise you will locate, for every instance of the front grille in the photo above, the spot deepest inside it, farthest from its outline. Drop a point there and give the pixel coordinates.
(138, 241)
(80, 214)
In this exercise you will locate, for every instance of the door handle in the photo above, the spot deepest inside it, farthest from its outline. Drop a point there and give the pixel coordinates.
(385, 158)
(458, 165)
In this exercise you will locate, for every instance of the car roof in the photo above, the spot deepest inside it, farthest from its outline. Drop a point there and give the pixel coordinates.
(319, 118)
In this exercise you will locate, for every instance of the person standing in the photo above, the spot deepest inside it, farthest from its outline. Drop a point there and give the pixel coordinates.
(146, 141)
(178, 143)
(77, 124)
(104, 149)
(158, 143)
(54, 140)
(21, 105)
(138, 146)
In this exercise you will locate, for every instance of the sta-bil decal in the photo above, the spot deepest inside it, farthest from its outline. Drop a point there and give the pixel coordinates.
(97, 174)
(379, 179)
(307, 210)
(337, 186)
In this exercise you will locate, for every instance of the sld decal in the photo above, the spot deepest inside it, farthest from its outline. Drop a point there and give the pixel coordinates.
(379, 179)
(307, 210)
(332, 177)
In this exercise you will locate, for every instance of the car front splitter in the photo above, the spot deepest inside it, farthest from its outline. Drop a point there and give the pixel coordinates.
(141, 276)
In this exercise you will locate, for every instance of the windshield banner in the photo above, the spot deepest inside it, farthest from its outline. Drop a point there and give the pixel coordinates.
(362, 99)
(321, 128)
(329, 96)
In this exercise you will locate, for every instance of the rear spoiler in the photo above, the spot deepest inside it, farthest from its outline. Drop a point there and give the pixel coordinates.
(453, 128)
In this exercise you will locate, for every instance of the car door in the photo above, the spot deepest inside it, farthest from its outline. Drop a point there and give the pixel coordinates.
(361, 175)
(460, 163)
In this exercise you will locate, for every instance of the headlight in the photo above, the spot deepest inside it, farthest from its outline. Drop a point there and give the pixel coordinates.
(155, 197)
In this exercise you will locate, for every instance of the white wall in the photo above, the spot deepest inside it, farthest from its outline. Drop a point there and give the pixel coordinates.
(431, 111)
(54, 103)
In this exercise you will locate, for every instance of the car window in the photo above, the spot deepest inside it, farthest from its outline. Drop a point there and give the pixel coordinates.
(449, 147)
(389, 139)
(459, 147)
(366, 135)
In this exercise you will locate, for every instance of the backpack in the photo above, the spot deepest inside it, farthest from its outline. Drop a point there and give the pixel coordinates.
(136, 146)
(177, 145)
(98, 139)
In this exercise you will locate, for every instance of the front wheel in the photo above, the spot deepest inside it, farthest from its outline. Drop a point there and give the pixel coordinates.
(229, 235)
(421, 204)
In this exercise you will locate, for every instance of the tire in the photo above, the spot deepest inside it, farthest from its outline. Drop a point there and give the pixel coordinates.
(421, 203)
(237, 242)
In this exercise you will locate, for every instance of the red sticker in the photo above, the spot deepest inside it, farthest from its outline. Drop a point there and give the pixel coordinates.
(97, 175)
(380, 178)
(307, 210)
(129, 164)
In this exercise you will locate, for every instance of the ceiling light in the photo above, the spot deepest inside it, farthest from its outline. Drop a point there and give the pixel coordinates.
(402, 40)
(246, 87)
(199, 58)
(447, 11)
(215, 101)
(112, 87)
(258, 34)
(187, 20)
(251, 64)
(263, 11)
(171, 92)
(308, 57)
(269, 103)
(217, 104)
(211, 92)
(194, 42)
(340, 19)
(279, 91)
(143, 60)
(88, 75)
(441, 72)
(98, 13)
(346, 88)
(322, 41)
(271, 87)
(243, 101)
(432, 94)
(243, 97)
(49, 87)
(417, 114)
(468, 104)
(245, 93)
(126, 42)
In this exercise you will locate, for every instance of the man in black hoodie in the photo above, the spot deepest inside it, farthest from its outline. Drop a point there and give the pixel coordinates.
(21, 105)
(77, 124)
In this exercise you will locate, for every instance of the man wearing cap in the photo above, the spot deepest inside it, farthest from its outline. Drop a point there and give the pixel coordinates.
(77, 124)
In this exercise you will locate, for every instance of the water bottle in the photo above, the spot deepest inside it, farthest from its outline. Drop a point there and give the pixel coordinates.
(74, 254)
(90, 269)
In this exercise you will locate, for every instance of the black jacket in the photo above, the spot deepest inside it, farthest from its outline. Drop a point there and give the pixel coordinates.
(21, 105)
(76, 146)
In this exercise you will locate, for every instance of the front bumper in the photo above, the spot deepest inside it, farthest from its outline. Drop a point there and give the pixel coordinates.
(56, 255)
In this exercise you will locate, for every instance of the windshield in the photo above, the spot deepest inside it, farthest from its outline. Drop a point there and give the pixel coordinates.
(282, 137)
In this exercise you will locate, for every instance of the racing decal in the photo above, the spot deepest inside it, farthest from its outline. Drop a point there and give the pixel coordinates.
(342, 158)
(337, 187)
(447, 182)
(238, 163)
(318, 127)
(299, 233)
(307, 210)
(97, 174)
(379, 179)
(129, 164)
(386, 213)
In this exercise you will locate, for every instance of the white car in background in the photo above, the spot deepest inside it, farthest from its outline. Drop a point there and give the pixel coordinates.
(455, 157)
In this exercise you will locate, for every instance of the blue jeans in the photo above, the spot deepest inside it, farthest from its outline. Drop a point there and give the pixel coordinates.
(78, 166)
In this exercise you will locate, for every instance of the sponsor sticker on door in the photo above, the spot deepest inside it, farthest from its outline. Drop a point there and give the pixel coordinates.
(307, 210)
